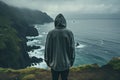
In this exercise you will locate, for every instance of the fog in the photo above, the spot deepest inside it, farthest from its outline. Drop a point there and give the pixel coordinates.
(69, 7)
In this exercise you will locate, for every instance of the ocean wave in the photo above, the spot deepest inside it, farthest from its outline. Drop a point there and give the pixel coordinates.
(39, 53)
(34, 37)
(42, 65)
(36, 53)
(44, 33)
(80, 46)
(34, 43)
(92, 49)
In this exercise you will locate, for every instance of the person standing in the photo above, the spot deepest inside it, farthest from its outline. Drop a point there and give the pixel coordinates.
(60, 49)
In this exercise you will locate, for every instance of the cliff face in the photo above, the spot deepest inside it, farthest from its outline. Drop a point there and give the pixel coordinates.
(14, 27)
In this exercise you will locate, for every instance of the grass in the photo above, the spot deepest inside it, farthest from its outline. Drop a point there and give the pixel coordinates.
(110, 71)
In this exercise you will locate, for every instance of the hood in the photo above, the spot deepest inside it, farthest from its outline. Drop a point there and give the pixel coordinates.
(60, 21)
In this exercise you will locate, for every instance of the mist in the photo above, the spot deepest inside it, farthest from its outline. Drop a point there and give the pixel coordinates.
(69, 7)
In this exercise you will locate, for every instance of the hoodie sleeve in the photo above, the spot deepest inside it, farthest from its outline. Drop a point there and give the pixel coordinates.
(72, 49)
(48, 49)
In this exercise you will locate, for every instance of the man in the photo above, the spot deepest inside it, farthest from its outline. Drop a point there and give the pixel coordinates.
(59, 49)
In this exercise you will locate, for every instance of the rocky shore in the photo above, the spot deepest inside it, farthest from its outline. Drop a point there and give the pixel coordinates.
(15, 25)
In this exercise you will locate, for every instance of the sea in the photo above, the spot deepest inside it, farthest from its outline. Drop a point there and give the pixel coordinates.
(97, 41)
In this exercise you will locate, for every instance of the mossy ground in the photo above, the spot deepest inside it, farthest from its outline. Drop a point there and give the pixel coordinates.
(85, 72)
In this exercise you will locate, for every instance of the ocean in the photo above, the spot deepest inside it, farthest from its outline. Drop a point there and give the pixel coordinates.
(98, 40)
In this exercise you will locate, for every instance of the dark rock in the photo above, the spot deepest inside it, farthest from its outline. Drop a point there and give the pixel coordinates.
(36, 60)
(29, 48)
(32, 31)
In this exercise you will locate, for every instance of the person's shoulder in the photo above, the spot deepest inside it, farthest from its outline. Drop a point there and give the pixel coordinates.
(69, 31)
(51, 31)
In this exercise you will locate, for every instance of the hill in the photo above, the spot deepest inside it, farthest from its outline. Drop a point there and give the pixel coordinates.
(15, 25)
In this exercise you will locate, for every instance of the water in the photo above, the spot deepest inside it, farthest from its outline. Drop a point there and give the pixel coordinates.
(98, 40)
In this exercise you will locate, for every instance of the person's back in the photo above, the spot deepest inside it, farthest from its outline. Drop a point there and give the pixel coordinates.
(59, 48)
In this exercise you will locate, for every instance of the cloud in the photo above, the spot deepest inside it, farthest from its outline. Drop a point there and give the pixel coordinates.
(53, 7)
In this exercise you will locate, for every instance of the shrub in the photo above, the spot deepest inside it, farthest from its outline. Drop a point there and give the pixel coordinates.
(85, 67)
(29, 77)
(115, 63)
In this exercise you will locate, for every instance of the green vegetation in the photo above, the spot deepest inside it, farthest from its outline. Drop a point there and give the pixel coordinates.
(14, 27)
(23, 74)
(9, 44)
(115, 63)
(9, 38)
(84, 72)
(84, 67)
(29, 77)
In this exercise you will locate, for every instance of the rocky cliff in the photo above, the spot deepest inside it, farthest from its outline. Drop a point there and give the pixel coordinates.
(15, 25)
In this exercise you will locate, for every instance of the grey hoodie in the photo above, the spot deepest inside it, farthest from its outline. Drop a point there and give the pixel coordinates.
(59, 47)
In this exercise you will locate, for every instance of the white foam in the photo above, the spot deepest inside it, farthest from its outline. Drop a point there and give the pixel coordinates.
(33, 43)
(80, 46)
(34, 37)
(39, 36)
(35, 53)
(42, 65)
(101, 42)
(44, 32)
(39, 54)
(42, 47)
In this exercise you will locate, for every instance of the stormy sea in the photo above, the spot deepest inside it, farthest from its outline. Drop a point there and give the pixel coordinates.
(96, 40)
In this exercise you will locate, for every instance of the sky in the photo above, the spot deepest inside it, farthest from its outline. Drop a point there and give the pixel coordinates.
(69, 7)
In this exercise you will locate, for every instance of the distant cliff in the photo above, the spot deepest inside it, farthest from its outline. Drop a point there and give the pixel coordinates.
(15, 25)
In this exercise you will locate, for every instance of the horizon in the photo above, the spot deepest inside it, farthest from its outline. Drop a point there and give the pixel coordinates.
(69, 8)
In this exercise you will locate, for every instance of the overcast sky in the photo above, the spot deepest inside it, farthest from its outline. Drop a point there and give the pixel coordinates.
(70, 7)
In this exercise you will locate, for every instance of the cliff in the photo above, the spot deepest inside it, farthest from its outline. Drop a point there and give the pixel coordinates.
(15, 25)
(110, 71)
